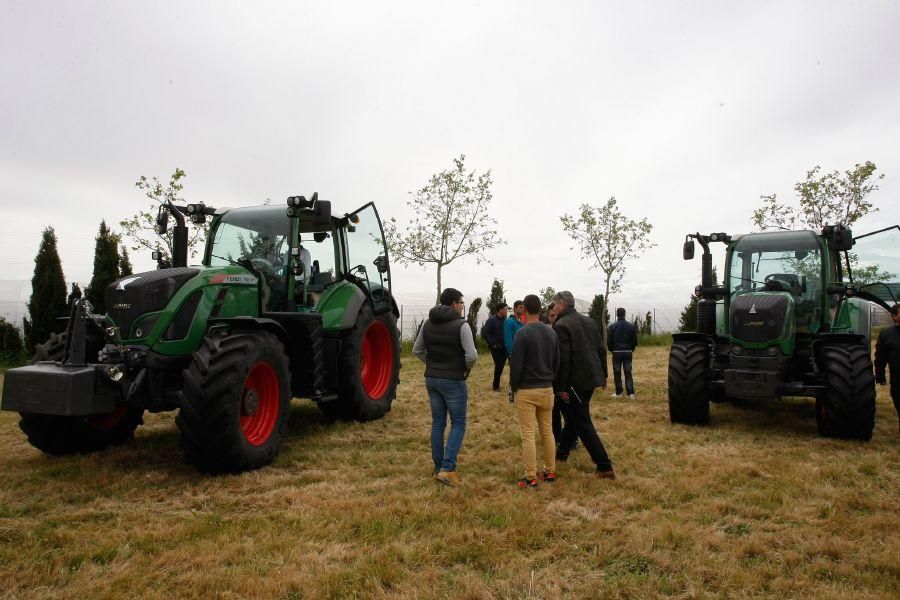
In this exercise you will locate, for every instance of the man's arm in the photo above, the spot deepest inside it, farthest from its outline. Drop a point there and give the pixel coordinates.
(565, 360)
(634, 338)
(468, 344)
(419, 346)
(881, 358)
(516, 361)
(609, 335)
(508, 335)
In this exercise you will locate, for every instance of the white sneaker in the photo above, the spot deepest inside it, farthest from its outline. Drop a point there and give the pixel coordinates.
(631, 396)
(615, 395)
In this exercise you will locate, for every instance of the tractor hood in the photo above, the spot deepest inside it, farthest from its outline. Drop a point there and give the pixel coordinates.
(130, 297)
(761, 319)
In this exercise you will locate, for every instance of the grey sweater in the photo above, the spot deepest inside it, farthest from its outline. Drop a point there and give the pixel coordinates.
(535, 357)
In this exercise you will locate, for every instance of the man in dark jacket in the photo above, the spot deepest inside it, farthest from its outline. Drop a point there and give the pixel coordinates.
(887, 354)
(446, 346)
(621, 339)
(492, 332)
(581, 371)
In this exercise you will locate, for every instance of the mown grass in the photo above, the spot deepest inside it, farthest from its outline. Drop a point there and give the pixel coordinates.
(754, 505)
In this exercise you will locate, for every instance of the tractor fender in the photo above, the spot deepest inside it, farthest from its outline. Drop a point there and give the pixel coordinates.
(260, 323)
(837, 338)
(352, 307)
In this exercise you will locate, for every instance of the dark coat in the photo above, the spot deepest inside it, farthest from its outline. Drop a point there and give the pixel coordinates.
(580, 350)
(887, 353)
(621, 336)
(492, 332)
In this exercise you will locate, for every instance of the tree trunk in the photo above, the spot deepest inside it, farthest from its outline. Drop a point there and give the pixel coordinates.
(603, 325)
(438, 299)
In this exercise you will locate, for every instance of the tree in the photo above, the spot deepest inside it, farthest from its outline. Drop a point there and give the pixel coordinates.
(11, 347)
(607, 238)
(546, 294)
(141, 228)
(73, 296)
(451, 221)
(688, 321)
(822, 200)
(599, 312)
(496, 297)
(647, 325)
(106, 268)
(472, 316)
(125, 268)
(48, 292)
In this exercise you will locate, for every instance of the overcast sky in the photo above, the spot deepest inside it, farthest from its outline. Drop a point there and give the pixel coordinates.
(684, 111)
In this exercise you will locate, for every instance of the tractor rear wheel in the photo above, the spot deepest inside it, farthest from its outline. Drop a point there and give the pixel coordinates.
(61, 435)
(689, 395)
(846, 408)
(236, 396)
(369, 368)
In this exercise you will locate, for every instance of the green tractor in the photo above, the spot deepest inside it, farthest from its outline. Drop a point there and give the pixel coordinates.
(287, 302)
(791, 320)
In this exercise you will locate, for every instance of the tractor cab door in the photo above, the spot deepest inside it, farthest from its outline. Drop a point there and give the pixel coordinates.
(875, 266)
(367, 255)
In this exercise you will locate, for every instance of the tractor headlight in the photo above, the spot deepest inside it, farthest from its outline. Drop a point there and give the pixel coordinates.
(735, 349)
(773, 351)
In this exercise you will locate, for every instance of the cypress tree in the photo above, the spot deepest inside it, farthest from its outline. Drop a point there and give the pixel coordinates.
(106, 268)
(73, 295)
(125, 268)
(496, 297)
(598, 307)
(48, 292)
(11, 348)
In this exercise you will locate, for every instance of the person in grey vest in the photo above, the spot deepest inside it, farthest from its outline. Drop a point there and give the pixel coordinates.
(621, 339)
(446, 346)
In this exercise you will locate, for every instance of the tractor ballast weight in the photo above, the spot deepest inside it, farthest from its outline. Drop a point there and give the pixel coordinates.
(287, 302)
(793, 323)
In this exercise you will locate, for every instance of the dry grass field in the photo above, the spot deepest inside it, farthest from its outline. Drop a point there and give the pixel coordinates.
(754, 505)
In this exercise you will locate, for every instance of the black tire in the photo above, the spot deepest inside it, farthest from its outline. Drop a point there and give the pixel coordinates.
(846, 409)
(61, 435)
(689, 394)
(243, 374)
(369, 368)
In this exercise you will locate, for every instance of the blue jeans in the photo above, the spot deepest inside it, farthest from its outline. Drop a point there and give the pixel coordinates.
(447, 396)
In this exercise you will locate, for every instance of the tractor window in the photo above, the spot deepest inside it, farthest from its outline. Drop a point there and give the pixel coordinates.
(875, 263)
(366, 251)
(260, 236)
(319, 265)
(781, 263)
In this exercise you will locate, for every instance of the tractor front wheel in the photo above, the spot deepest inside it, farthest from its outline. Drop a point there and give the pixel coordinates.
(846, 408)
(689, 395)
(61, 435)
(235, 402)
(369, 368)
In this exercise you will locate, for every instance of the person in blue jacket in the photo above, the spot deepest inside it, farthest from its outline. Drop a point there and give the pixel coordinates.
(513, 324)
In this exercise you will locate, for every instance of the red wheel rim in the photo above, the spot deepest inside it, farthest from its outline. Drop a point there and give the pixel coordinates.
(260, 403)
(109, 420)
(377, 360)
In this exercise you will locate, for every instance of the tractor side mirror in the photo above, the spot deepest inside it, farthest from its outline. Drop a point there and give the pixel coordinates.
(162, 220)
(687, 252)
(381, 263)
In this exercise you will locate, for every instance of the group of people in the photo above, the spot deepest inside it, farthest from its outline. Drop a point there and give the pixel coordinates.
(557, 360)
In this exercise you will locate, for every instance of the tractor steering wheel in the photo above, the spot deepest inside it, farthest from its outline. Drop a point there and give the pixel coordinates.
(779, 285)
(263, 266)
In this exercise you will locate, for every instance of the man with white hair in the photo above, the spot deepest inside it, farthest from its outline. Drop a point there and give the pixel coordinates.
(580, 372)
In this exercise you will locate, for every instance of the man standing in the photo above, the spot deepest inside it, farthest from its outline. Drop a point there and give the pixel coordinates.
(446, 346)
(512, 325)
(621, 339)
(887, 353)
(492, 332)
(581, 370)
(532, 367)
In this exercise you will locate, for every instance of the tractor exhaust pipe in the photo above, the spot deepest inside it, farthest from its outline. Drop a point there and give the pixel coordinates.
(706, 306)
(180, 241)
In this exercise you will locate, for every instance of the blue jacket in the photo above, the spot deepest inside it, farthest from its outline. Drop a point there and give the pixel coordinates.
(492, 332)
(621, 337)
(510, 328)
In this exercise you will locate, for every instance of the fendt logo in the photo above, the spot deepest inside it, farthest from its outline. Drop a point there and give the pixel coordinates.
(753, 309)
